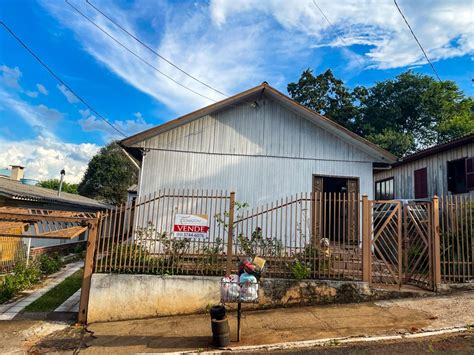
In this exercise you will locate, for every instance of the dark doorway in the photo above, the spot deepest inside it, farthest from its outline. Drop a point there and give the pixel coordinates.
(334, 184)
(336, 209)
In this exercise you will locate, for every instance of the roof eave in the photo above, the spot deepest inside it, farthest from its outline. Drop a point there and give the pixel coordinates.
(141, 136)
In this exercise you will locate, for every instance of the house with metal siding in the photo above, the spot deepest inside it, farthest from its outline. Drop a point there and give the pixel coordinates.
(446, 169)
(260, 144)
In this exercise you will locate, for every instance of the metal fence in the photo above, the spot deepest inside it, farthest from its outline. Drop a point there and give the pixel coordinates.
(305, 235)
(456, 226)
(138, 237)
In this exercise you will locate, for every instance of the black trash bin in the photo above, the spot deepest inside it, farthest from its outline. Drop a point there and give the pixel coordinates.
(220, 332)
(217, 312)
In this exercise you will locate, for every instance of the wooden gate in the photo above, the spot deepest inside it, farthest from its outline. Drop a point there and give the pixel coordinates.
(386, 242)
(418, 244)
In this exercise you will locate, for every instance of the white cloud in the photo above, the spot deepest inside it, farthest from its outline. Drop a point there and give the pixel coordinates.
(233, 45)
(90, 122)
(42, 89)
(41, 118)
(71, 98)
(33, 94)
(10, 76)
(44, 158)
(444, 27)
(229, 60)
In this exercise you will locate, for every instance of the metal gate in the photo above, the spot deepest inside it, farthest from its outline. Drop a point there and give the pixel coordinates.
(418, 244)
(402, 243)
(387, 242)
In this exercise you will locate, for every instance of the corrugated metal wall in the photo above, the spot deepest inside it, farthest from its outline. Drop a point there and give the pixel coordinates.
(436, 165)
(263, 153)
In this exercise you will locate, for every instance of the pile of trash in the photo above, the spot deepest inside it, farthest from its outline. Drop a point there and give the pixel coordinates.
(244, 286)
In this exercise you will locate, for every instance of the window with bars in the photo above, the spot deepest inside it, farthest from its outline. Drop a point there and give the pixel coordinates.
(384, 189)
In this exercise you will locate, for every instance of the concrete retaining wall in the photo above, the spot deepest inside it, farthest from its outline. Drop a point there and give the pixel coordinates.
(120, 297)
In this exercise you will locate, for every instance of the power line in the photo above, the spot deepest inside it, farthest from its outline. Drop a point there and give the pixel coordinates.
(152, 50)
(59, 79)
(135, 54)
(330, 24)
(416, 39)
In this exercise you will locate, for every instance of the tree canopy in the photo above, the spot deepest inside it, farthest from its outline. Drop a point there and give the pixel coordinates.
(108, 176)
(53, 184)
(403, 115)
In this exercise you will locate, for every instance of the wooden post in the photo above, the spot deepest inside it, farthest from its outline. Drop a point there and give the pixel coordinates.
(436, 245)
(366, 242)
(230, 233)
(88, 269)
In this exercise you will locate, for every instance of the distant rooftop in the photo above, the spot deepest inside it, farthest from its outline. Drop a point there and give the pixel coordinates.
(15, 190)
(133, 188)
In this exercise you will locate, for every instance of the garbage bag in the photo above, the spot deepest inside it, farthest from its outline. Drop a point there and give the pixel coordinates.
(230, 289)
(247, 278)
(248, 287)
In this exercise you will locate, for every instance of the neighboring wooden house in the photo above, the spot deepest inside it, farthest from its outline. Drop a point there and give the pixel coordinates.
(260, 144)
(15, 194)
(445, 169)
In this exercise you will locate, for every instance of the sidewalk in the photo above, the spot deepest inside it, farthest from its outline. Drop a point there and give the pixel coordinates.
(188, 333)
(71, 304)
(9, 310)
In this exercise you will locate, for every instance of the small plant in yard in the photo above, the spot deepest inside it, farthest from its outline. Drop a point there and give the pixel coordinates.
(23, 277)
(49, 264)
(299, 270)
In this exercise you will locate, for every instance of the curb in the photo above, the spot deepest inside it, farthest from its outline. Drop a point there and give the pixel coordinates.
(331, 341)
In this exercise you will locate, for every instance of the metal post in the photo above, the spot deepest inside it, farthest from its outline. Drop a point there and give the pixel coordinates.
(230, 233)
(28, 251)
(436, 245)
(366, 242)
(63, 172)
(239, 315)
(88, 269)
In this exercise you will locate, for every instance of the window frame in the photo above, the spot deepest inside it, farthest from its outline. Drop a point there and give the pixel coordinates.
(378, 194)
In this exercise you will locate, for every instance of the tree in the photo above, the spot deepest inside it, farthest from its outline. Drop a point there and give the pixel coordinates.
(53, 184)
(326, 95)
(108, 175)
(404, 114)
(427, 111)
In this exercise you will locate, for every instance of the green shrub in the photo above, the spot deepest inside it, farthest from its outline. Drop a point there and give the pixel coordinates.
(299, 270)
(49, 264)
(23, 277)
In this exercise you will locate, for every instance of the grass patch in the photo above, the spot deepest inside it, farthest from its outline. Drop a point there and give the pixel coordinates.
(57, 295)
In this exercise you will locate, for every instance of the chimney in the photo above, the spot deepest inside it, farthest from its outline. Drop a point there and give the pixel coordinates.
(18, 172)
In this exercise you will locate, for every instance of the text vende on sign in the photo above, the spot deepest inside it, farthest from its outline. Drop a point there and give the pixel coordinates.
(191, 225)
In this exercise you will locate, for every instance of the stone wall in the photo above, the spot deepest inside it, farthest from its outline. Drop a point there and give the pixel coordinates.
(120, 297)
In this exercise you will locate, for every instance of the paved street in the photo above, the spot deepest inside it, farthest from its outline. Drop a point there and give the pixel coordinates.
(192, 333)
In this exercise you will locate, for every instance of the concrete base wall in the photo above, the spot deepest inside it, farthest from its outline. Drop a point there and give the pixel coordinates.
(120, 297)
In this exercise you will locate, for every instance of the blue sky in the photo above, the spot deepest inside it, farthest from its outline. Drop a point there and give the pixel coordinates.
(231, 45)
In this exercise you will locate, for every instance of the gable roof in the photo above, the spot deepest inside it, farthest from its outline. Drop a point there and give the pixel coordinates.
(458, 142)
(326, 123)
(15, 190)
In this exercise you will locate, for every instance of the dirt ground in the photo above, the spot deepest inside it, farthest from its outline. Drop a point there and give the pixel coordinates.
(192, 333)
